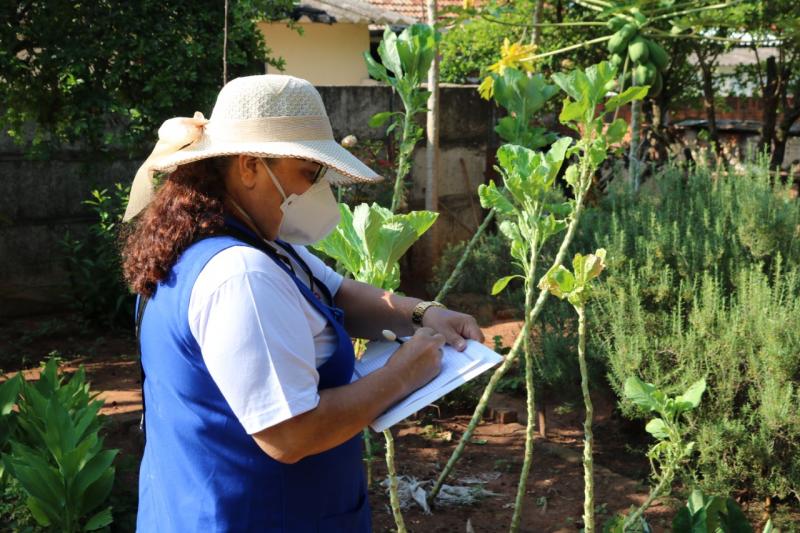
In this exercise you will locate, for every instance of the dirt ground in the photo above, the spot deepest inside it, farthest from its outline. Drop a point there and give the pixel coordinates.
(554, 497)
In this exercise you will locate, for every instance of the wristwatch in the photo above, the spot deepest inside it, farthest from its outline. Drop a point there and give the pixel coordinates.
(420, 308)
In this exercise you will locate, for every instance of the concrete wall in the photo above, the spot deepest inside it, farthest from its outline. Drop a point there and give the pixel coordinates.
(41, 200)
(325, 54)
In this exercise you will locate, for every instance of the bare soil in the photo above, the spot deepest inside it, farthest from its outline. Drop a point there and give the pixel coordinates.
(554, 496)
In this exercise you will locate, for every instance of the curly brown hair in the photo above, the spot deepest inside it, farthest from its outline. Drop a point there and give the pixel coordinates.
(187, 207)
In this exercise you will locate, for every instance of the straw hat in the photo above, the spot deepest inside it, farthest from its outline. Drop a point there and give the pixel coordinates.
(270, 115)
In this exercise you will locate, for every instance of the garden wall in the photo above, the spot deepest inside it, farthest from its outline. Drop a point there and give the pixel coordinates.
(41, 200)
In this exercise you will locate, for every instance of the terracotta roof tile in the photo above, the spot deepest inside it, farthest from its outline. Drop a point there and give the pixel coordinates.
(413, 8)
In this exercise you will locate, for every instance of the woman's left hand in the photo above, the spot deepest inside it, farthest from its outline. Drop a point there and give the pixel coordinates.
(456, 327)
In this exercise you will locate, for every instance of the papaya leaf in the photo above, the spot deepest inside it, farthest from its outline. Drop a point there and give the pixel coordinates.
(630, 94)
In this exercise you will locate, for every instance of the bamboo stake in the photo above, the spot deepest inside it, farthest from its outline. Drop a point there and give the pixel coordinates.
(451, 280)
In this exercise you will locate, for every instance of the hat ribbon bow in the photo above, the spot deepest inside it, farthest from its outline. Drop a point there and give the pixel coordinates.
(173, 135)
(179, 132)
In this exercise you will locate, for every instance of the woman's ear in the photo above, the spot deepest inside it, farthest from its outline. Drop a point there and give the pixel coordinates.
(247, 168)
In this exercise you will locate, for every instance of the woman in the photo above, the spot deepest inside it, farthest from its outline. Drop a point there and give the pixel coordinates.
(252, 423)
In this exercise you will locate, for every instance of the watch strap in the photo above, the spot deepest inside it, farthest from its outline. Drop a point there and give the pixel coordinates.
(420, 308)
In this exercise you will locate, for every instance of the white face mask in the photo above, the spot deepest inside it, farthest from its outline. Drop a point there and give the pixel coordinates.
(307, 217)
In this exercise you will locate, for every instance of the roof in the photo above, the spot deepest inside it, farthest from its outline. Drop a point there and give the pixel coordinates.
(414, 8)
(348, 11)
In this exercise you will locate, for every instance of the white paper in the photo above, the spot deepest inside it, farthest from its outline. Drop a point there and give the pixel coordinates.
(457, 369)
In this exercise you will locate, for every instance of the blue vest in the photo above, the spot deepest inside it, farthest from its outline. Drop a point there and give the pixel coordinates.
(201, 472)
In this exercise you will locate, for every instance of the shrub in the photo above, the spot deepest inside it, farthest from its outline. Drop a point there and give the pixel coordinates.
(97, 288)
(469, 48)
(53, 450)
(698, 290)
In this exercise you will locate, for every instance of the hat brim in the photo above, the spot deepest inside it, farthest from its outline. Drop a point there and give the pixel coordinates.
(344, 167)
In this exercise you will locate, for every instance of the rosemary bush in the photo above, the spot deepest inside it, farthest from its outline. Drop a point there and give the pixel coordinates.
(703, 284)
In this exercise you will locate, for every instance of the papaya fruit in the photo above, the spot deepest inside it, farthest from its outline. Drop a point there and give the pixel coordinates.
(658, 56)
(619, 41)
(656, 86)
(616, 61)
(615, 23)
(645, 73)
(638, 50)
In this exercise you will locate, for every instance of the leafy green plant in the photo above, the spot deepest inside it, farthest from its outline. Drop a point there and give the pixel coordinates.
(97, 289)
(370, 240)
(523, 97)
(712, 513)
(670, 429)
(56, 454)
(405, 62)
(525, 176)
(574, 286)
(368, 244)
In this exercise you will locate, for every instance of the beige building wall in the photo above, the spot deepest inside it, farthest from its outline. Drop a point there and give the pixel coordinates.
(325, 54)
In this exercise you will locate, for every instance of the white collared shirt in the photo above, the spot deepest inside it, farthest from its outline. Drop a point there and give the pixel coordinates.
(261, 340)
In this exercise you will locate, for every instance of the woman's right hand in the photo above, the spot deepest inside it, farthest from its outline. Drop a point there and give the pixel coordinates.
(419, 359)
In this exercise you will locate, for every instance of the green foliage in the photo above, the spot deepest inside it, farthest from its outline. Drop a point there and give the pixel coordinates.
(574, 285)
(108, 72)
(528, 177)
(489, 261)
(369, 241)
(97, 289)
(697, 288)
(56, 454)
(671, 428)
(469, 47)
(405, 62)
(523, 97)
(711, 513)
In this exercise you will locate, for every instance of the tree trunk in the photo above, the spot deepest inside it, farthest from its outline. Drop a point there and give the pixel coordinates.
(537, 18)
(769, 114)
(225, 47)
(432, 148)
(708, 102)
(790, 116)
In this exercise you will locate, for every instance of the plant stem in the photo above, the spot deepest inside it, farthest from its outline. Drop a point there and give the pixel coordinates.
(370, 456)
(585, 180)
(567, 48)
(588, 466)
(634, 517)
(403, 160)
(633, 157)
(394, 499)
(529, 387)
(453, 278)
(694, 10)
(541, 24)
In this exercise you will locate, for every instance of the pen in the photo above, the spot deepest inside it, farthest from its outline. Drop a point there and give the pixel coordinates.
(390, 335)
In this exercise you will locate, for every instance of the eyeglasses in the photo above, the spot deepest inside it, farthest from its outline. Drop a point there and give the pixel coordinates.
(319, 174)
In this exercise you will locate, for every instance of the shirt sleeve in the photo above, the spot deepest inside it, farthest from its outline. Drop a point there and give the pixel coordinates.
(258, 347)
(324, 273)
